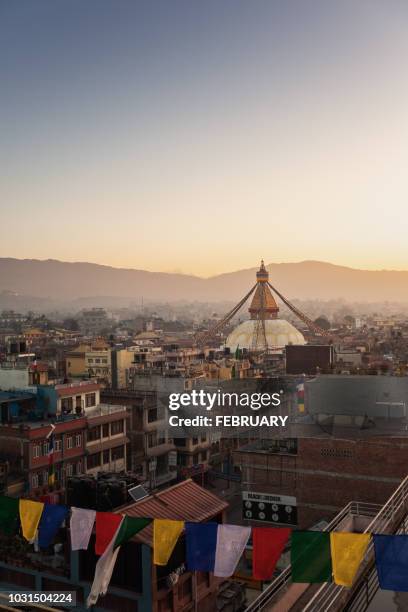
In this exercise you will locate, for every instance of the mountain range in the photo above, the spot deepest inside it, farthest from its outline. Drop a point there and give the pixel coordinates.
(57, 281)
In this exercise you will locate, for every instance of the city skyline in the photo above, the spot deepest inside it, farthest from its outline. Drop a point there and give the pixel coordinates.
(200, 138)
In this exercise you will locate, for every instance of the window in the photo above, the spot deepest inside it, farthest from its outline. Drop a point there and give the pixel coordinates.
(105, 430)
(79, 467)
(66, 404)
(78, 440)
(69, 469)
(203, 438)
(117, 427)
(34, 481)
(58, 445)
(93, 461)
(45, 477)
(94, 434)
(104, 361)
(118, 453)
(203, 456)
(36, 451)
(97, 361)
(90, 399)
(106, 456)
(152, 415)
(195, 441)
(180, 441)
(70, 441)
(46, 447)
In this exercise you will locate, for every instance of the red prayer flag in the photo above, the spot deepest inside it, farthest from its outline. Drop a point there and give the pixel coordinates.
(268, 544)
(106, 526)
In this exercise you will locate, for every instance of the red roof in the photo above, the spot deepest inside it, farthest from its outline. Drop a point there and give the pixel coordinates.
(68, 390)
(185, 501)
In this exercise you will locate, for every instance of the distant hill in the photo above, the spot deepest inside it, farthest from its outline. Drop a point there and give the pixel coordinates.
(57, 281)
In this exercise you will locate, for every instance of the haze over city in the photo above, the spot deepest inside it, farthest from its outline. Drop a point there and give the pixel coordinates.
(199, 137)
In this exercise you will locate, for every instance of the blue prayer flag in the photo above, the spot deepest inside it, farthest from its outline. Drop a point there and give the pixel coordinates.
(391, 558)
(201, 542)
(51, 520)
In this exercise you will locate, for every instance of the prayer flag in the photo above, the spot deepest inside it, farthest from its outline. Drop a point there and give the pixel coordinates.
(30, 514)
(201, 542)
(268, 544)
(347, 552)
(51, 520)
(104, 569)
(391, 559)
(310, 556)
(165, 536)
(9, 514)
(81, 526)
(129, 527)
(231, 542)
(106, 526)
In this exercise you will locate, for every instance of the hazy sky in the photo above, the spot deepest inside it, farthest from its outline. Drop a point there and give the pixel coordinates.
(203, 135)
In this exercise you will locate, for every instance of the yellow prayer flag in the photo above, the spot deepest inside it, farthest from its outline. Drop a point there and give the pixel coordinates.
(347, 552)
(30, 514)
(165, 536)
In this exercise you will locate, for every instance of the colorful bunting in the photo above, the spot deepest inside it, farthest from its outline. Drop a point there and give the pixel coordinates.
(81, 526)
(129, 527)
(231, 542)
(310, 556)
(51, 520)
(201, 543)
(165, 536)
(106, 526)
(391, 559)
(347, 552)
(9, 514)
(268, 544)
(30, 514)
(104, 569)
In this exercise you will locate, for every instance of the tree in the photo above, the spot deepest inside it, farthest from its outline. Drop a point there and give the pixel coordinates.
(323, 322)
(71, 324)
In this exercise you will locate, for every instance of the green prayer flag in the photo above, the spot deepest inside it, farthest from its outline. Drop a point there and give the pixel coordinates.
(129, 527)
(311, 557)
(9, 514)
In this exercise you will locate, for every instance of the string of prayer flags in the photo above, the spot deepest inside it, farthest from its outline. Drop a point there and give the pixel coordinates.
(106, 526)
(347, 553)
(310, 556)
(130, 526)
(104, 568)
(30, 514)
(81, 526)
(9, 514)
(231, 542)
(51, 520)
(201, 543)
(391, 559)
(268, 544)
(165, 535)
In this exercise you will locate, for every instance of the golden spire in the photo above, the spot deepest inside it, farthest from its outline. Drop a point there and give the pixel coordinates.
(263, 303)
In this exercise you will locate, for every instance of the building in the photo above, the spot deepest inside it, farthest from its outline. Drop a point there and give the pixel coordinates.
(309, 359)
(136, 584)
(24, 441)
(152, 453)
(264, 327)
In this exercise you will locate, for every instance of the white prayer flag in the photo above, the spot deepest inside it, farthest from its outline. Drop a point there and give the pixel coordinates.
(104, 570)
(81, 525)
(231, 542)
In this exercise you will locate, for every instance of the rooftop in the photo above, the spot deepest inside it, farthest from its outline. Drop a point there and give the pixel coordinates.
(184, 501)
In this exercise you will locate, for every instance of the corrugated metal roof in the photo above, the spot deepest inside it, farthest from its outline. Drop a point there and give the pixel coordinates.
(185, 501)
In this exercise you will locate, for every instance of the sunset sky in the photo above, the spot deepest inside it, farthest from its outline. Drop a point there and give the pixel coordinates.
(200, 136)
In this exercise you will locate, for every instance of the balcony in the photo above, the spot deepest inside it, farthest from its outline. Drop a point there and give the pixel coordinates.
(104, 410)
(330, 597)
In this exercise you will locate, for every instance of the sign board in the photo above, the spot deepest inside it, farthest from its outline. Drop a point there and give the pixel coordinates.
(172, 458)
(269, 508)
